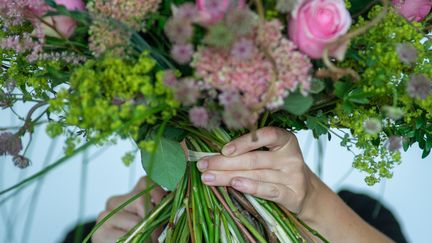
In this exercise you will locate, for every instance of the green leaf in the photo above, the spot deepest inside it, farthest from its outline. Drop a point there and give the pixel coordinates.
(425, 153)
(175, 134)
(358, 6)
(169, 163)
(317, 125)
(358, 96)
(341, 89)
(297, 104)
(317, 86)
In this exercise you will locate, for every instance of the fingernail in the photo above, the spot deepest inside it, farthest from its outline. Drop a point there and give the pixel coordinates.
(228, 149)
(238, 184)
(202, 165)
(208, 177)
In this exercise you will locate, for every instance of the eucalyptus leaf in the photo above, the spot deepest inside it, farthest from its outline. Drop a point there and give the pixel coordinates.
(169, 163)
(317, 86)
(297, 104)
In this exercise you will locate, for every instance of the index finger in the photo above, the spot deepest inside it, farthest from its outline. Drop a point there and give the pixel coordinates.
(269, 137)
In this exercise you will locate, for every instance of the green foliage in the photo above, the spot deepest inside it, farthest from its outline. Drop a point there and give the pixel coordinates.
(165, 164)
(112, 95)
(298, 104)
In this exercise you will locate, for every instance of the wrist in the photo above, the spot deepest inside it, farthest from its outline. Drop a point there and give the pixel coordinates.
(317, 197)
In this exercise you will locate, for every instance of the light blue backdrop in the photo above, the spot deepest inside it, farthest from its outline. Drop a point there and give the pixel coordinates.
(55, 208)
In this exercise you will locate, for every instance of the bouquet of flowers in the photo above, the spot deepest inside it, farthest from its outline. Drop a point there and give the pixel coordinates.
(183, 78)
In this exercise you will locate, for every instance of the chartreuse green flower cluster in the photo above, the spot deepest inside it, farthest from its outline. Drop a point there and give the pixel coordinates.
(384, 80)
(114, 96)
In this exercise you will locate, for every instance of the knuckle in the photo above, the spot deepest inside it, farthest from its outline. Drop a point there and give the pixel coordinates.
(253, 161)
(274, 192)
(256, 175)
(271, 132)
(101, 216)
(110, 203)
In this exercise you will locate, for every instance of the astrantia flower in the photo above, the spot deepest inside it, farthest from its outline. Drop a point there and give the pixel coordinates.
(419, 86)
(394, 143)
(223, 70)
(227, 98)
(178, 30)
(182, 53)
(407, 53)
(10, 144)
(170, 78)
(185, 12)
(199, 116)
(243, 49)
(372, 126)
(394, 113)
(241, 22)
(213, 11)
(187, 91)
(237, 116)
(21, 161)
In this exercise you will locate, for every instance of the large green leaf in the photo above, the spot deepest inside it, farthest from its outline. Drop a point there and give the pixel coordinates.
(167, 165)
(297, 104)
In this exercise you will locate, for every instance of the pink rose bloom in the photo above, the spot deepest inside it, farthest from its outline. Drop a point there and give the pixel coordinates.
(213, 11)
(316, 23)
(64, 24)
(413, 10)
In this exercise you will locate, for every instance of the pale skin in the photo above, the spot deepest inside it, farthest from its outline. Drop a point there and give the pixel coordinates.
(279, 174)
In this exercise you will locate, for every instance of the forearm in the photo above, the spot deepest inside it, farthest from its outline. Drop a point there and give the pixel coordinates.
(328, 214)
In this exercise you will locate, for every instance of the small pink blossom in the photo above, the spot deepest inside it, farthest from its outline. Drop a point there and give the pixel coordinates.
(413, 10)
(182, 53)
(243, 49)
(317, 23)
(178, 31)
(199, 116)
(213, 11)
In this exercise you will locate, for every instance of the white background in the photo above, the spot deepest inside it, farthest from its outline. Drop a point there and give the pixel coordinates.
(55, 208)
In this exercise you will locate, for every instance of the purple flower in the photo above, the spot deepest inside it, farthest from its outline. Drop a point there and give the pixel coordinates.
(372, 126)
(187, 92)
(182, 53)
(199, 117)
(178, 30)
(186, 12)
(243, 49)
(228, 97)
(419, 86)
(237, 116)
(394, 113)
(407, 53)
(10, 144)
(169, 78)
(394, 143)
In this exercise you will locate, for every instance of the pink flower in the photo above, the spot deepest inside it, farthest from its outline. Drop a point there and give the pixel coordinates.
(413, 10)
(199, 116)
(63, 24)
(213, 11)
(318, 23)
(182, 53)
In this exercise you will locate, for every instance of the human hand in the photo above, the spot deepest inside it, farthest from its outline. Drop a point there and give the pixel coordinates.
(123, 221)
(279, 174)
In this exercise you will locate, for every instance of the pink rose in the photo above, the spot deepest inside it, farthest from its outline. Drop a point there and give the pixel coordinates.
(316, 23)
(413, 10)
(213, 11)
(63, 24)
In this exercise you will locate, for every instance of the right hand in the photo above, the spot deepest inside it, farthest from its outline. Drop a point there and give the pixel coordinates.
(122, 222)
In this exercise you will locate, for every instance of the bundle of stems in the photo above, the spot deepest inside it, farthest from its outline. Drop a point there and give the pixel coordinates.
(195, 212)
